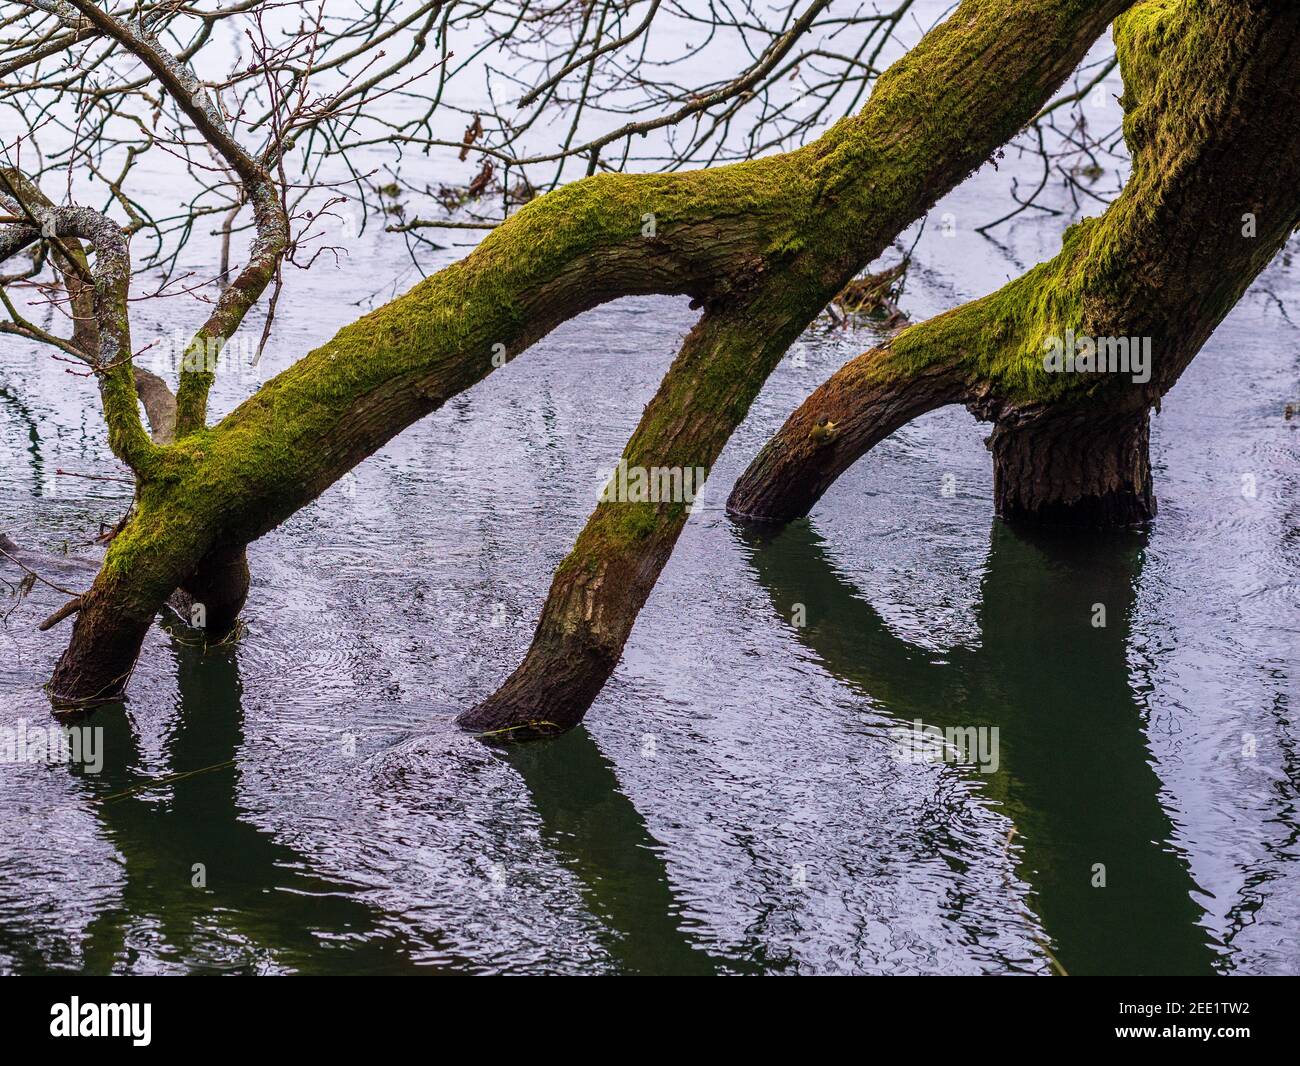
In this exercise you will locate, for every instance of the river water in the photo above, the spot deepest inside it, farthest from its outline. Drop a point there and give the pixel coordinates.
(299, 800)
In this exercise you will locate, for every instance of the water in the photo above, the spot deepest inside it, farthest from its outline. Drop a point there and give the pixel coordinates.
(735, 801)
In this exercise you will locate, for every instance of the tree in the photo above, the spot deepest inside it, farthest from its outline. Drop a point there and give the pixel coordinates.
(1210, 202)
(761, 247)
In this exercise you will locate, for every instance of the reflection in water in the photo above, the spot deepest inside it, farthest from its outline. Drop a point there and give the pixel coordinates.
(1075, 775)
(263, 909)
(597, 831)
(372, 615)
(25, 426)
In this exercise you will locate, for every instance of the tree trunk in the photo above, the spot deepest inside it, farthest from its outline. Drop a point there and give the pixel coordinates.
(841, 421)
(1212, 116)
(156, 551)
(783, 231)
(1074, 471)
(211, 598)
(97, 664)
(117, 613)
(599, 590)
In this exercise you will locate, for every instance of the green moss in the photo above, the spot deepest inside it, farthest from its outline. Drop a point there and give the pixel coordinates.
(778, 237)
(1000, 340)
(807, 215)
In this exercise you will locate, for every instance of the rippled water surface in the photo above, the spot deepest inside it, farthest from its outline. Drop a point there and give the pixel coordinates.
(735, 802)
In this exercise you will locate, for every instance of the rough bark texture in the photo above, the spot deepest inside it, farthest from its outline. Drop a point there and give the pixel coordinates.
(1212, 117)
(219, 586)
(781, 234)
(1086, 470)
(603, 584)
(223, 576)
(159, 404)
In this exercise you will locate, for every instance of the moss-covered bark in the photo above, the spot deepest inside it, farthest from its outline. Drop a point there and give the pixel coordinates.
(975, 75)
(762, 244)
(1212, 118)
(600, 588)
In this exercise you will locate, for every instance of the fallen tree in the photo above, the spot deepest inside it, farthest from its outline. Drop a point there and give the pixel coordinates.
(760, 246)
(1212, 119)
(1212, 110)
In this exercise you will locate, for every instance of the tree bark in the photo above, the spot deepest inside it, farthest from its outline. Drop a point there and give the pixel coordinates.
(602, 585)
(1074, 471)
(844, 418)
(159, 404)
(1212, 117)
(784, 232)
(212, 597)
(600, 588)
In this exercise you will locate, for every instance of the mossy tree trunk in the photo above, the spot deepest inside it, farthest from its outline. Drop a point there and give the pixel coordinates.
(761, 246)
(600, 588)
(1212, 118)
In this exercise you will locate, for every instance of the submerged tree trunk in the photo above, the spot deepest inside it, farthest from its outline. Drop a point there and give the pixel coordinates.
(212, 597)
(602, 585)
(1212, 117)
(1074, 471)
(222, 578)
(761, 246)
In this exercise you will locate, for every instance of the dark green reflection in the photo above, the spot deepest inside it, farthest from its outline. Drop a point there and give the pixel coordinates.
(594, 828)
(263, 908)
(1076, 776)
(24, 414)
